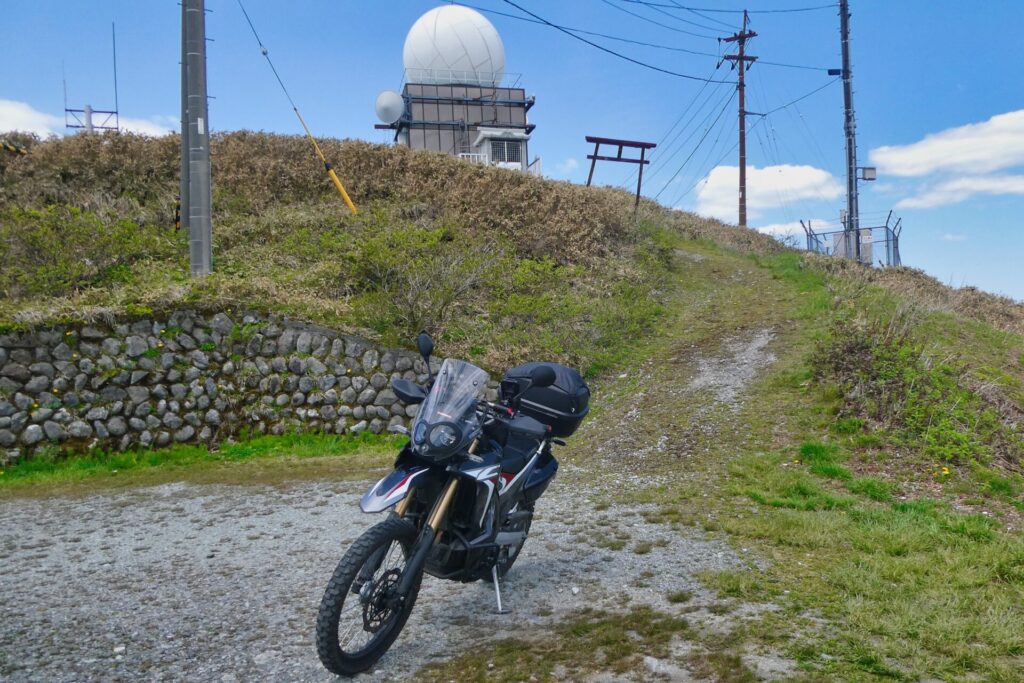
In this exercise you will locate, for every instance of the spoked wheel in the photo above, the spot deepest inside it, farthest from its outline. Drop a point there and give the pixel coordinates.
(360, 614)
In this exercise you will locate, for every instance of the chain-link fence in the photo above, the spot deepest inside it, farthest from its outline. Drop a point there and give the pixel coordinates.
(875, 246)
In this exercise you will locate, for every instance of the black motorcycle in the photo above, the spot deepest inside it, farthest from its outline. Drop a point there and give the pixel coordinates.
(461, 497)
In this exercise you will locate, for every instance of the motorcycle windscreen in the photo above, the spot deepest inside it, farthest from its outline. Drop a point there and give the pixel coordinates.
(449, 412)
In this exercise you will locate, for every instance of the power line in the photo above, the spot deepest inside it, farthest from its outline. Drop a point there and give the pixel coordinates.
(699, 142)
(704, 16)
(316, 146)
(631, 41)
(664, 160)
(693, 101)
(802, 97)
(706, 176)
(737, 11)
(657, 23)
(613, 52)
(657, 8)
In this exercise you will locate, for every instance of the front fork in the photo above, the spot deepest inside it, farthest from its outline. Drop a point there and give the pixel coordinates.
(428, 535)
(420, 549)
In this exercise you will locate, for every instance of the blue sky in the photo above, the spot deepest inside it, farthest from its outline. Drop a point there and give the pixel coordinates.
(940, 104)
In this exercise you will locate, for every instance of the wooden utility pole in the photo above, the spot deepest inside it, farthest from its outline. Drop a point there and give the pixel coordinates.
(852, 227)
(740, 60)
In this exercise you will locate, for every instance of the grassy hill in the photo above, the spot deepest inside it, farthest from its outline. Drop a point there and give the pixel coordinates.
(872, 454)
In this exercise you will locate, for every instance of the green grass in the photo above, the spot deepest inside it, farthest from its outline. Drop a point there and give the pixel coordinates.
(585, 642)
(99, 464)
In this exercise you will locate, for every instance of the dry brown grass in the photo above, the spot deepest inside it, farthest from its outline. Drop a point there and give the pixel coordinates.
(136, 177)
(915, 286)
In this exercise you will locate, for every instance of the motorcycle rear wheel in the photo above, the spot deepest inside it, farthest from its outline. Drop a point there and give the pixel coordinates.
(355, 626)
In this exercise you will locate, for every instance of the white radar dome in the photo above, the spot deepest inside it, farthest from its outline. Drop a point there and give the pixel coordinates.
(454, 44)
(389, 106)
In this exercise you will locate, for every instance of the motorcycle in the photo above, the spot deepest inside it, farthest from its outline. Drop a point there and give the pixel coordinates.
(461, 498)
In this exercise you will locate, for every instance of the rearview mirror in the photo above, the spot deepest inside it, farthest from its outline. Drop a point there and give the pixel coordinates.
(407, 392)
(425, 344)
(542, 376)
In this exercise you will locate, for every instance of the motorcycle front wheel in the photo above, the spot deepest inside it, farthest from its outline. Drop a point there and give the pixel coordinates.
(358, 617)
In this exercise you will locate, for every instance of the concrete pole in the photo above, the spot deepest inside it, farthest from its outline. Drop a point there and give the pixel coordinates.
(852, 241)
(183, 202)
(199, 189)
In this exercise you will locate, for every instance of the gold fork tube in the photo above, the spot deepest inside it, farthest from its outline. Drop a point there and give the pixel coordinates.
(441, 508)
(403, 504)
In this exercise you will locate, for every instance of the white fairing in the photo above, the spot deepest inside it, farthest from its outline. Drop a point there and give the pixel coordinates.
(384, 494)
(454, 44)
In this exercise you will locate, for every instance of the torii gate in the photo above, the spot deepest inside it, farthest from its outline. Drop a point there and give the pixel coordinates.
(642, 146)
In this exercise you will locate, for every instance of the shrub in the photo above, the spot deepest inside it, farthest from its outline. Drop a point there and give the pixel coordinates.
(883, 375)
(56, 249)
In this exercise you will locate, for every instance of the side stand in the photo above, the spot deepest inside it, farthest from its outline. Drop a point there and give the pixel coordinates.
(497, 590)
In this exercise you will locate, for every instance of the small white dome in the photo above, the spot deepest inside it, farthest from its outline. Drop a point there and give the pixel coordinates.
(454, 44)
(389, 106)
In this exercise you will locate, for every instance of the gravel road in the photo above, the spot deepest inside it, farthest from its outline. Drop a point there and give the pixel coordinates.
(221, 583)
(217, 582)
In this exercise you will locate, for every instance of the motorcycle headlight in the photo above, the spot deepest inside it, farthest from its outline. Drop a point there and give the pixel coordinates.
(420, 435)
(444, 436)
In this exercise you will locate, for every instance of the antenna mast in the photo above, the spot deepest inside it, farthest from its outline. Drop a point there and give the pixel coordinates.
(84, 118)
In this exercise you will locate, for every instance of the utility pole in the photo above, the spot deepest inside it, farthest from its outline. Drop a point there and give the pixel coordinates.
(198, 130)
(852, 226)
(183, 204)
(740, 61)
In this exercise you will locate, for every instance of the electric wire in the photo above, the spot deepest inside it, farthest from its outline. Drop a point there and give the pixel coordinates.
(657, 23)
(612, 52)
(699, 142)
(674, 17)
(703, 16)
(331, 173)
(738, 11)
(631, 41)
(713, 148)
(666, 159)
(266, 53)
(801, 98)
(660, 144)
(707, 176)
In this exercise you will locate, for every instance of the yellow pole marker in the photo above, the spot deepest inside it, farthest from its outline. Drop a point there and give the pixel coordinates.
(330, 171)
(319, 152)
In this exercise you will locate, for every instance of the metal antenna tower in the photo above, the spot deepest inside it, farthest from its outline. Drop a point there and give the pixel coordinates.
(195, 138)
(83, 118)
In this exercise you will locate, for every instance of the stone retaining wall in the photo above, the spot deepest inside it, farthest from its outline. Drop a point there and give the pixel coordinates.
(193, 378)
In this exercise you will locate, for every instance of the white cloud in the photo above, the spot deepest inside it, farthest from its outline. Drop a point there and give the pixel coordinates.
(19, 116)
(975, 148)
(784, 229)
(767, 188)
(960, 189)
(156, 126)
(950, 237)
(567, 166)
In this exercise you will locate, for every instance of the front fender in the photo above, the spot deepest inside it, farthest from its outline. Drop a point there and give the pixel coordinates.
(390, 489)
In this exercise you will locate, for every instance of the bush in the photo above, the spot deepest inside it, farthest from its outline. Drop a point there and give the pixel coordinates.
(883, 376)
(56, 249)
